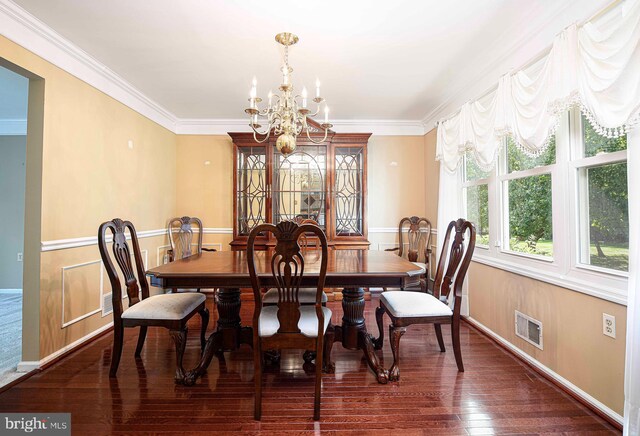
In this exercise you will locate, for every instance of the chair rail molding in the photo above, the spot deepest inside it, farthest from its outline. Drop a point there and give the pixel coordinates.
(63, 244)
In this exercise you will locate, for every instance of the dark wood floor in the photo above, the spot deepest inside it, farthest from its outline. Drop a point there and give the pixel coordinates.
(496, 395)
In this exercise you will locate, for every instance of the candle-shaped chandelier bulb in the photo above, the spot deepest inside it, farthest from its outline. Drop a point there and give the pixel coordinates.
(286, 114)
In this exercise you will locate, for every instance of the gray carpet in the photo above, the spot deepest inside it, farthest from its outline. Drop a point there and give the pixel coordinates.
(10, 331)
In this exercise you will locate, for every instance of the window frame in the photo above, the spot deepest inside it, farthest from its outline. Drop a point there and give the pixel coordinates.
(472, 183)
(564, 268)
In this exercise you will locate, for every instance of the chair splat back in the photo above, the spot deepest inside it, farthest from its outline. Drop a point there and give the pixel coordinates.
(418, 232)
(135, 280)
(454, 260)
(287, 268)
(180, 232)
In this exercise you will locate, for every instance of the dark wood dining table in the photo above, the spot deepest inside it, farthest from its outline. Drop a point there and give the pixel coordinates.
(227, 271)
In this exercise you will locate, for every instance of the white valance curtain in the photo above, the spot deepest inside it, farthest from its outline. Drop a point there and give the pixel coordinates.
(594, 66)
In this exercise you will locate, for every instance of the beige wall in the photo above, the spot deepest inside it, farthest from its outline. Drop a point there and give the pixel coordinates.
(395, 184)
(204, 168)
(205, 182)
(90, 175)
(574, 346)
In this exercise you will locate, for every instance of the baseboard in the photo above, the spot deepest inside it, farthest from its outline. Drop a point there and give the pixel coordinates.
(31, 365)
(583, 397)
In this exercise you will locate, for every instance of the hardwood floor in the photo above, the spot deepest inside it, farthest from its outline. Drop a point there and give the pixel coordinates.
(496, 395)
(10, 335)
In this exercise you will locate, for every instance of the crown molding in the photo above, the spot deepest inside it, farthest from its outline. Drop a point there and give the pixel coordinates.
(9, 127)
(204, 126)
(486, 78)
(24, 29)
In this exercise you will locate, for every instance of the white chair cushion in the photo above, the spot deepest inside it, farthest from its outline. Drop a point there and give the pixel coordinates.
(305, 295)
(165, 306)
(268, 323)
(408, 304)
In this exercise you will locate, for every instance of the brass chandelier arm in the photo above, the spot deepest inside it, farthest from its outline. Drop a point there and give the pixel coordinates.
(326, 132)
(256, 133)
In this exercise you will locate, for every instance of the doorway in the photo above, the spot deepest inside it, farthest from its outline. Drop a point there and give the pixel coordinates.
(14, 95)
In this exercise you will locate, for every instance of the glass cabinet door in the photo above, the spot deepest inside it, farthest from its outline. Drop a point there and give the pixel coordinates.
(348, 191)
(251, 188)
(299, 184)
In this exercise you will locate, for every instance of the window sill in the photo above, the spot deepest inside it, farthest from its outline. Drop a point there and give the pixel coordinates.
(597, 285)
(536, 257)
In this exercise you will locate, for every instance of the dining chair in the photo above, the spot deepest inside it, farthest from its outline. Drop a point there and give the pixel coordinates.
(288, 324)
(180, 232)
(171, 311)
(306, 295)
(405, 308)
(418, 237)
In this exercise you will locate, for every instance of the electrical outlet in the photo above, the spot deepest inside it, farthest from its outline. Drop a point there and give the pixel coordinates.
(609, 325)
(19, 257)
(165, 259)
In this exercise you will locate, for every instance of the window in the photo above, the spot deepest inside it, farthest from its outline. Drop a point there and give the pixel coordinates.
(603, 203)
(476, 193)
(528, 202)
(561, 217)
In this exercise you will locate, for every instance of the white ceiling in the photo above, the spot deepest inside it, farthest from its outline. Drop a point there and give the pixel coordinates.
(376, 59)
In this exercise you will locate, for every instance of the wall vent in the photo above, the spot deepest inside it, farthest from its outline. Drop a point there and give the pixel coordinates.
(107, 304)
(529, 329)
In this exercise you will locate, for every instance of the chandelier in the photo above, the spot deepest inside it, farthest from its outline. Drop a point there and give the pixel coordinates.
(286, 114)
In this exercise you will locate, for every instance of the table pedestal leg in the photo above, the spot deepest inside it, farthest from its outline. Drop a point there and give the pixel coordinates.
(353, 331)
(229, 334)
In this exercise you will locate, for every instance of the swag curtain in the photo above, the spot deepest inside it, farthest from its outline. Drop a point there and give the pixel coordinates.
(595, 67)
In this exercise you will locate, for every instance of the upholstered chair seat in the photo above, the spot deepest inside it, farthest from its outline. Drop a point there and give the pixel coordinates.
(407, 304)
(165, 306)
(268, 323)
(305, 296)
(170, 311)
(409, 307)
(287, 323)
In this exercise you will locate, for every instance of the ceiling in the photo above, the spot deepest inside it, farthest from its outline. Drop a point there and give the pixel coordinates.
(377, 60)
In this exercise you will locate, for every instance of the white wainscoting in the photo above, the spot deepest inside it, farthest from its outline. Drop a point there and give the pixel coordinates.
(89, 286)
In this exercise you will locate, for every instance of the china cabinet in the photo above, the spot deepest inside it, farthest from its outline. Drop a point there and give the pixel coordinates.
(326, 182)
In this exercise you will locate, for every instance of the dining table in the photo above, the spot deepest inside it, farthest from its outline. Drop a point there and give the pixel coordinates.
(228, 273)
